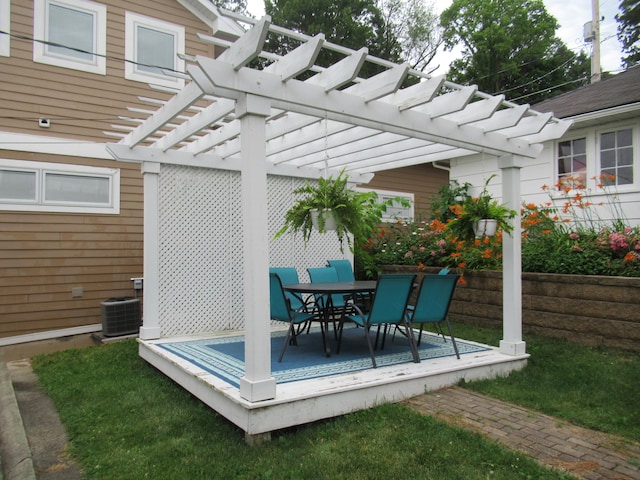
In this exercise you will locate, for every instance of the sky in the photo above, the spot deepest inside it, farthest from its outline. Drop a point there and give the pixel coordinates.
(571, 15)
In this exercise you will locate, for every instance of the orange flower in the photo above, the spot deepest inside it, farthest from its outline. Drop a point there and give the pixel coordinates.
(546, 232)
(487, 253)
(462, 265)
(462, 281)
(438, 226)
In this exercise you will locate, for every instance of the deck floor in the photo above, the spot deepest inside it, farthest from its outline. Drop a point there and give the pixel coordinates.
(307, 396)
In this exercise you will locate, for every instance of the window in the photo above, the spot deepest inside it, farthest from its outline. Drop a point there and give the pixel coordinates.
(51, 187)
(70, 34)
(616, 157)
(572, 163)
(151, 49)
(5, 26)
(397, 210)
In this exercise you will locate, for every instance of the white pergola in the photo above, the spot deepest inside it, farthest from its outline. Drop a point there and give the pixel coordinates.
(294, 118)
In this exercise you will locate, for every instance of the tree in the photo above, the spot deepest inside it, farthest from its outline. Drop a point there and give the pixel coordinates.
(238, 6)
(415, 27)
(629, 31)
(350, 23)
(510, 47)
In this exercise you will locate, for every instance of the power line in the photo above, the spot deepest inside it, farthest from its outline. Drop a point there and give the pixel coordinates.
(79, 50)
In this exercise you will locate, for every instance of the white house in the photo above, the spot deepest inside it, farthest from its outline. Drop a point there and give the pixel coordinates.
(602, 147)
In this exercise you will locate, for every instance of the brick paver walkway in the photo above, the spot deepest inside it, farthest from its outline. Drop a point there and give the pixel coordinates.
(584, 453)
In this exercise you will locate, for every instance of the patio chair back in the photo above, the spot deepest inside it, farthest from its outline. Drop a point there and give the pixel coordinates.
(432, 303)
(326, 275)
(288, 276)
(344, 270)
(280, 307)
(390, 299)
(389, 307)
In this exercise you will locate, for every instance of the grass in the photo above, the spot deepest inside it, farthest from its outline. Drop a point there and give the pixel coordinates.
(126, 420)
(595, 387)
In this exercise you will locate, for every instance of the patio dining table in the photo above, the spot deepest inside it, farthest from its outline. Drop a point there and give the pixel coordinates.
(329, 289)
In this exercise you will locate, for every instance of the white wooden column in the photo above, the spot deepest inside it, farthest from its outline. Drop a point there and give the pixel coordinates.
(150, 329)
(257, 383)
(511, 343)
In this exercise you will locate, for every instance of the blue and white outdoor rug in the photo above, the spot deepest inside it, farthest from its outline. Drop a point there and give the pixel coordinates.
(224, 357)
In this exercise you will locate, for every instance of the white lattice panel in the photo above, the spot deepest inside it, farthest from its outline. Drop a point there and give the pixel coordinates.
(200, 251)
(201, 262)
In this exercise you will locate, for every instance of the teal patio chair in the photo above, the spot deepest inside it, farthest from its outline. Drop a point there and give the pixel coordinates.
(280, 310)
(326, 275)
(432, 304)
(345, 274)
(343, 269)
(288, 276)
(389, 307)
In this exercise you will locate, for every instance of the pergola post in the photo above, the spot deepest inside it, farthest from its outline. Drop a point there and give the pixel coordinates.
(257, 384)
(512, 343)
(150, 328)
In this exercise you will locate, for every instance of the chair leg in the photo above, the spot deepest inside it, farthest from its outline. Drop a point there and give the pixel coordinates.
(420, 334)
(453, 340)
(412, 342)
(366, 333)
(291, 335)
(339, 341)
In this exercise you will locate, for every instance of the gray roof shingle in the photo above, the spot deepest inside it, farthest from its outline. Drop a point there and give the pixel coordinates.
(614, 91)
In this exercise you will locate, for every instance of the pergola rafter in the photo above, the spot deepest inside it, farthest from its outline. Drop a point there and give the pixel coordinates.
(333, 119)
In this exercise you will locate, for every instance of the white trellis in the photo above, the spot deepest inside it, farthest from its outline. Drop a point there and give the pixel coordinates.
(224, 146)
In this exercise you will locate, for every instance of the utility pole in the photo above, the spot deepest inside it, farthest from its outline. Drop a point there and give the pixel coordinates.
(595, 53)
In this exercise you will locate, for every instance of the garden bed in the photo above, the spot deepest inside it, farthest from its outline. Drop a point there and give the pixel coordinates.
(589, 309)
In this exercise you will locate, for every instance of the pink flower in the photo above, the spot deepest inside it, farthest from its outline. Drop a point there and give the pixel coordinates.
(617, 241)
(574, 236)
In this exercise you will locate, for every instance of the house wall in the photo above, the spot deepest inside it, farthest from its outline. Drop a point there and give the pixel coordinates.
(421, 180)
(623, 201)
(44, 255)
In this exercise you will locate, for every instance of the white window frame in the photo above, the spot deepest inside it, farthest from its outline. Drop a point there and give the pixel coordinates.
(407, 214)
(132, 22)
(5, 26)
(634, 144)
(40, 33)
(557, 176)
(41, 169)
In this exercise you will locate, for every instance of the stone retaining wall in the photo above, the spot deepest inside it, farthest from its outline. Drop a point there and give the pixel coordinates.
(593, 310)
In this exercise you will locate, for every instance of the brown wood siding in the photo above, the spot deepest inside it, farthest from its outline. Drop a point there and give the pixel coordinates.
(79, 104)
(421, 180)
(44, 255)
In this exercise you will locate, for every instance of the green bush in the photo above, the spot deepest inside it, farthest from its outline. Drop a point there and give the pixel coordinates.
(564, 239)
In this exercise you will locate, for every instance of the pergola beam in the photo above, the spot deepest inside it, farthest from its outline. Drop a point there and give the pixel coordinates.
(309, 99)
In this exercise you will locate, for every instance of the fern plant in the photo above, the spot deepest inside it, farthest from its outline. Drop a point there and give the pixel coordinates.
(354, 212)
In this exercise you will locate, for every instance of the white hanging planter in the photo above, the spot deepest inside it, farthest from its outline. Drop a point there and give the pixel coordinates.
(329, 220)
(485, 228)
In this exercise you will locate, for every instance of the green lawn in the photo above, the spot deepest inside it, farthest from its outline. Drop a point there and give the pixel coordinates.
(128, 421)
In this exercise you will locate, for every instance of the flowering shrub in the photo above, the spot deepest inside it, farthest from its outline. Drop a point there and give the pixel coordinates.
(565, 238)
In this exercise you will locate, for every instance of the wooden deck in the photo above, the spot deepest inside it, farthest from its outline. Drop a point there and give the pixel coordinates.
(307, 400)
